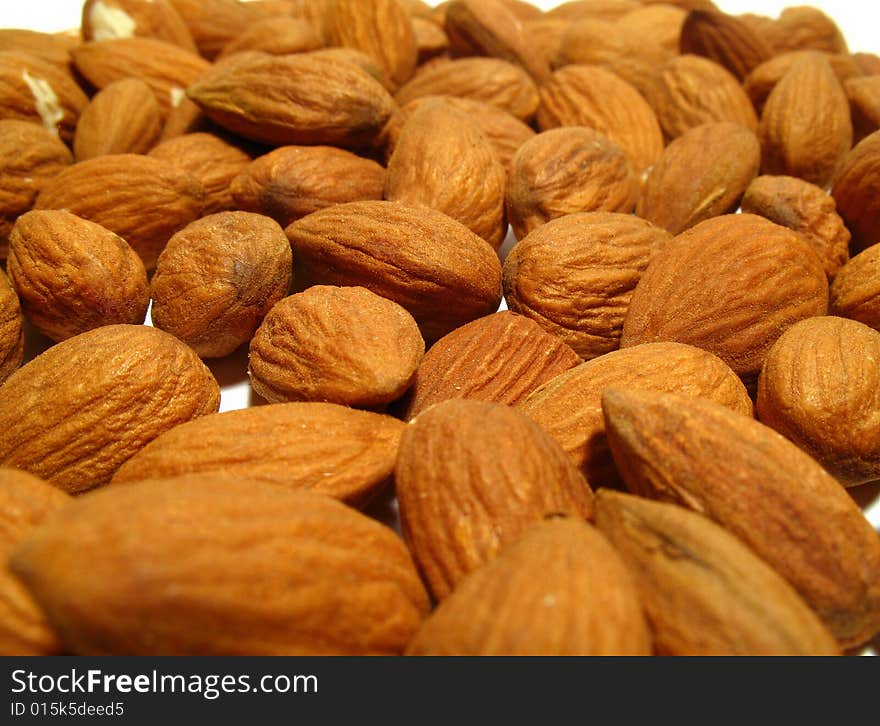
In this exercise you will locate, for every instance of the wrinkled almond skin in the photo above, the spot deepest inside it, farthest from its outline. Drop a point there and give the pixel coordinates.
(820, 388)
(594, 97)
(471, 477)
(341, 345)
(499, 358)
(105, 19)
(856, 191)
(805, 28)
(725, 39)
(761, 488)
(142, 199)
(331, 449)
(806, 129)
(491, 80)
(291, 182)
(567, 170)
(336, 583)
(855, 292)
(25, 501)
(659, 23)
(11, 329)
(431, 40)
(30, 157)
(731, 285)
(214, 161)
(559, 590)
(691, 90)
(74, 431)
(217, 278)
(705, 592)
(213, 24)
(294, 99)
(702, 174)
(863, 94)
(53, 48)
(431, 265)
(124, 118)
(804, 208)
(569, 406)
(72, 275)
(443, 161)
(277, 36)
(575, 276)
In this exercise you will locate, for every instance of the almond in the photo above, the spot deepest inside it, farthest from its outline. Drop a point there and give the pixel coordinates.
(341, 345)
(471, 477)
(53, 48)
(725, 39)
(277, 36)
(500, 358)
(575, 276)
(430, 39)
(702, 174)
(431, 265)
(75, 431)
(863, 95)
(731, 285)
(559, 590)
(761, 488)
(659, 24)
(569, 406)
(545, 36)
(705, 592)
(214, 23)
(805, 28)
(11, 329)
(336, 582)
(106, 19)
(855, 191)
(855, 292)
(331, 449)
(574, 10)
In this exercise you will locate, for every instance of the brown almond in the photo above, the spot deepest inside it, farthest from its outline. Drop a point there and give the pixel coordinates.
(863, 94)
(660, 24)
(276, 36)
(725, 39)
(471, 477)
(855, 191)
(337, 582)
(11, 329)
(106, 19)
(805, 28)
(558, 590)
(431, 40)
(855, 292)
(574, 10)
(53, 48)
(761, 488)
(704, 592)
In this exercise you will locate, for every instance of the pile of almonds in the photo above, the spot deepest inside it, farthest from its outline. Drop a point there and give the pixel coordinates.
(651, 448)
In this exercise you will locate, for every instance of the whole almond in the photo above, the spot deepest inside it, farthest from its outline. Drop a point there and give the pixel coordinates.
(567, 170)
(659, 22)
(731, 285)
(558, 590)
(855, 292)
(499, 358)
(335, 450)
(855, 192)
(471, 477)
(702, 174)
(277, 36)
(105, 19)
(569, 406)
(443, 161)
(217, 278)
(72, 275)
(705, 592)
(11, 329)
(75, 430)
(725, 39)
(431, 265)
(214, 23)
(574, 10)
(341, 345)
(26, 502)
(804, 208)
(575, 276)
(863, 94)
(431, 40)
(805, 28)
(761, 488)
(53, 48)
(337, 582)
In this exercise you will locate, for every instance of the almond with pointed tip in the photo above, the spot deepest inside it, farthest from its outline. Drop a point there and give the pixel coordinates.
(105, 19)
(856, 191)
(725, 39)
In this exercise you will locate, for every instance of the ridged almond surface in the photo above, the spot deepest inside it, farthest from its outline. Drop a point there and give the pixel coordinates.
(855, 292)
(471, 477)
(659, 23)
(569, 406)
(431, 40)
(575, 276)
(804, 208)
(725, 39)
(820, 388)
(72, 275)
(731, 285)
(761, 488)
(702, 174)
(864, 102)
(442, 160)
(805, 28)
(594, 97)
(268, 571)
(564, 171)
(431, 265)
(11, 329)
(491, 80)
(342, 345)
(573, 10)
(560, 589)
(690, 90)
(214, 23)
(217, 278)
(277, 36)
(105, 19)
(25, 501)
(704, 592)
(53, 48)
(77, 412)
(856, 191)
(331, 449)
(142, 199)
(294, 99)
(501, 358)
(806, 129)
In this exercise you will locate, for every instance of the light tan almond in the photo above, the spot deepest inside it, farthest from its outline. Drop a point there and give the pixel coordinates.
(53, 48)
(277, 36)
(106, 19)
